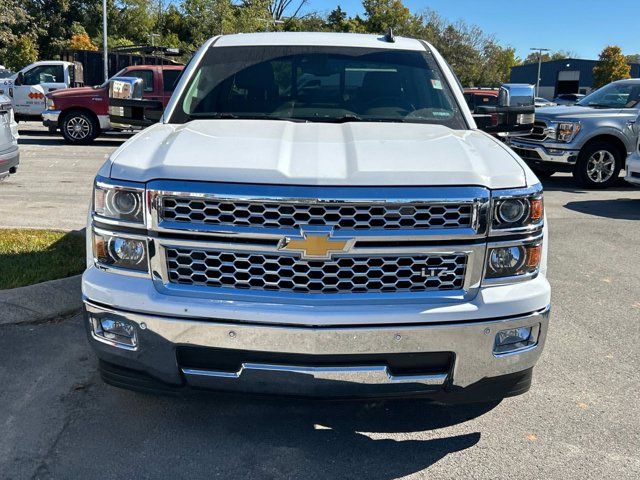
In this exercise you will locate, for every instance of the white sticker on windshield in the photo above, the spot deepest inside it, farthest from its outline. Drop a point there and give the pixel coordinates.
(437, 84)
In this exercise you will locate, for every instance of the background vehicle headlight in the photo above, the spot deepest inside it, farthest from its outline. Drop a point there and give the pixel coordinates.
(516, 212)
(120, 252)
(566, 131)
(514, 260)
(119, 203)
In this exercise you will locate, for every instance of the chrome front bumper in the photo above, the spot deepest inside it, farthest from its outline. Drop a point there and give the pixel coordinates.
(539, 153)
(50, 118)
(470, 345)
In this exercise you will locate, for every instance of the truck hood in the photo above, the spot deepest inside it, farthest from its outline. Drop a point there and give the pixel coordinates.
(572, 112)
(77, 92)
(348, 154)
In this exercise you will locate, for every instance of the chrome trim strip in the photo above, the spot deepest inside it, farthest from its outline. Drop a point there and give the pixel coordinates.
(368, 375)
(478, 197)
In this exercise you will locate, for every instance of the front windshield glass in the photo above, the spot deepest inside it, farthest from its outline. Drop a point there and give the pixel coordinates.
(614, 95)
(321, 84)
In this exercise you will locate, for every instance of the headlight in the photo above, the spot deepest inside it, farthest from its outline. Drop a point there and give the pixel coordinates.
(50, 104)
(122, 203)
(125, 252)
(515, 209)
(566, 131)
(513, 260)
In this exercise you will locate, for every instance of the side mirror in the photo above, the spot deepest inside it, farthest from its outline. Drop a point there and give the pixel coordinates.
(515, 113)
(19, 80)
(126, 105)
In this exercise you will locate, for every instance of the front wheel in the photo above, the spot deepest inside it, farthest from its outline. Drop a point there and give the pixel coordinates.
(79, 128)
(598, 165)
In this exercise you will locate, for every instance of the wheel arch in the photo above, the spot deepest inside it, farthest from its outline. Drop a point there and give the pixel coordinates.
(611, 139)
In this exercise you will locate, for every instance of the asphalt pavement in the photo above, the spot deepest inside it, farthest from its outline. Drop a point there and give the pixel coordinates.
(581, 419)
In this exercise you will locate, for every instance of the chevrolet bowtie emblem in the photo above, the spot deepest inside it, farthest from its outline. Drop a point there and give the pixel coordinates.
(318, 245)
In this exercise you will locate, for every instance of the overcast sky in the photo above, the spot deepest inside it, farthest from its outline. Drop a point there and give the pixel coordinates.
(582, 26)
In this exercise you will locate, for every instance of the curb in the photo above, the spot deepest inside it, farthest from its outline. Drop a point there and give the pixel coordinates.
(41, 302)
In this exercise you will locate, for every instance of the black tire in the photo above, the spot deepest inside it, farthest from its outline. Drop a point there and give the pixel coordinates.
(598, 165)
(542, 172)
(79, 127)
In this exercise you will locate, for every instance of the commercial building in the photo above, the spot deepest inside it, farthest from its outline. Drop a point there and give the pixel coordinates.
(570, 75)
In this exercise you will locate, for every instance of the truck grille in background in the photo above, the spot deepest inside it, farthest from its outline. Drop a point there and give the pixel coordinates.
(339, 215)
(342, 274)
(539, 132)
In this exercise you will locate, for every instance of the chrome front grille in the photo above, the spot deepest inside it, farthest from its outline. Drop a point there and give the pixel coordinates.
(290, 273)
(539, 132)
(294, 215)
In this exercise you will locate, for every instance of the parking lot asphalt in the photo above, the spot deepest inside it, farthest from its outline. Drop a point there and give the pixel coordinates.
(581, 420)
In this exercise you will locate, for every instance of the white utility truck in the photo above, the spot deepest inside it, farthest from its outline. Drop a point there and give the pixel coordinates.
(29, 87)
(320, 214)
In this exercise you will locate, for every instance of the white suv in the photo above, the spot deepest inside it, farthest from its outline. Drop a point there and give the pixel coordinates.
(9, 155)
(318, 213)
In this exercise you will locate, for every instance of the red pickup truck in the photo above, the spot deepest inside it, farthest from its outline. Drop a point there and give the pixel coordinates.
(81, 114)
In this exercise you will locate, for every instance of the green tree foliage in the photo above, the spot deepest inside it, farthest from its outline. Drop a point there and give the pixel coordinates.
(477, 58)
(612, 65)
(20, 53)
(559, 55)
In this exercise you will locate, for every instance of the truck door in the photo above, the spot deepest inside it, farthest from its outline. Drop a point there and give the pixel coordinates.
(29, 97)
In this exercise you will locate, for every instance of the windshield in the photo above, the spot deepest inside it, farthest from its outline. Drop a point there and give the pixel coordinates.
(322, 84)
(614, 95)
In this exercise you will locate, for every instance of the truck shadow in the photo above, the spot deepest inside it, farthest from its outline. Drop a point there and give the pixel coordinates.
(566, 183)
(49, 140)
(619, 209)
(247, 437)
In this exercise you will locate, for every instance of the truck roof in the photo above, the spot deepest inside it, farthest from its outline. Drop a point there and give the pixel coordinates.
(48, 62)
(317, 39)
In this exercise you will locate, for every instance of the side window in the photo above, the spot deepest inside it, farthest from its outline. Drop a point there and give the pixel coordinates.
(145, 75)
(44, 74)
(169, 79)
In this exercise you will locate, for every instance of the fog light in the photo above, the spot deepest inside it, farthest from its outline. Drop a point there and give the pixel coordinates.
(515, 339)
(115, 331)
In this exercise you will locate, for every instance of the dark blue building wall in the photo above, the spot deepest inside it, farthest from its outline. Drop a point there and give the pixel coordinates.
(549, 71)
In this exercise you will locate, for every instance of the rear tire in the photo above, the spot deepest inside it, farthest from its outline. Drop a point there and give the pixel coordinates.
(79, 127)
(598, 166)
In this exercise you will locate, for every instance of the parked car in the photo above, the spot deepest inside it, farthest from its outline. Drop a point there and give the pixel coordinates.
(543, 102)
(9, 154)
(29, 86)
(633, 161)
(82, 113)
(355, 234)
(568, 98)
(591, 139)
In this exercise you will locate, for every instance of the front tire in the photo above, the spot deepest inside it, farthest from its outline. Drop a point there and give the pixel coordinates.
(79, 128)
(598, 165)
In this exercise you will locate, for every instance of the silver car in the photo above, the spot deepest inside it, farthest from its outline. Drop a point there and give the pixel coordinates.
(9, 155)
(590, 139)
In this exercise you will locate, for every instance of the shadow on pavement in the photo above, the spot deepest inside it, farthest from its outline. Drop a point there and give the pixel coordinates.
(619, 209)
(566, 183)
(246, 437)
(50, 141)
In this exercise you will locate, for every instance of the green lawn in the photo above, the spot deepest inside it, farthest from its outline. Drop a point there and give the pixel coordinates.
(34, 256)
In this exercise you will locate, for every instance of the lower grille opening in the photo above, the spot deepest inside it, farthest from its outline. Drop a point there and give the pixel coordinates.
(227, 360)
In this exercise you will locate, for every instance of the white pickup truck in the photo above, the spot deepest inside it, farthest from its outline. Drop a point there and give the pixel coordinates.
(318, 214)
(28, 87)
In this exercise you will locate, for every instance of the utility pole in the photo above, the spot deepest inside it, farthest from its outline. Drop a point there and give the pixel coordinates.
(539, 50)
(104, 40)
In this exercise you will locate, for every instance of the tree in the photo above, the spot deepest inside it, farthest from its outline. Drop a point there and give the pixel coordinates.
(612, 65)
(380, 15)
(337, 20)
(81, 41)
(20, 53)
(546, 57)
(278, 8)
